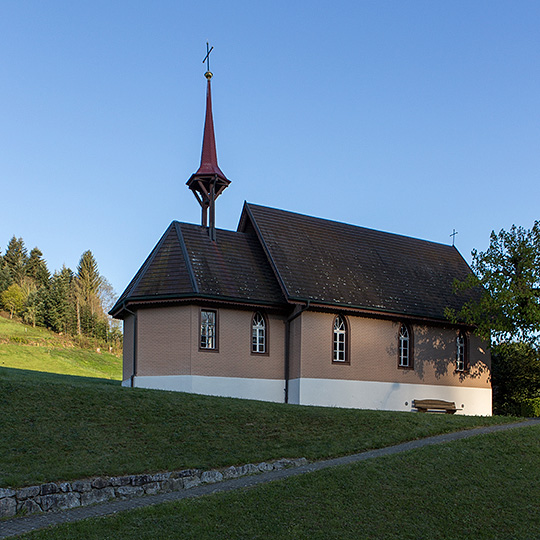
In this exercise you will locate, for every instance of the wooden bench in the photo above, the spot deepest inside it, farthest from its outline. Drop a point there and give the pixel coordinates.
(425, 405)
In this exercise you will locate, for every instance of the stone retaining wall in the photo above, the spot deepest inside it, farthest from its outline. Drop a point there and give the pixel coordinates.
(58, 496)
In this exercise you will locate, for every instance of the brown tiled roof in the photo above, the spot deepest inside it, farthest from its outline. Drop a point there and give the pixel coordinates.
(165, 271)
(233, 267)
(278, 256)
(334, 263)
(186, 264)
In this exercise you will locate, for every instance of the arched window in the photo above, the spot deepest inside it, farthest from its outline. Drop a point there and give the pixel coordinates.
(461, 352)
(405, 347)
(340, 340)
(258, 333)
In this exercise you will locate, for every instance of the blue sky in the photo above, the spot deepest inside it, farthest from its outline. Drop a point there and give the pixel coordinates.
(412, 117)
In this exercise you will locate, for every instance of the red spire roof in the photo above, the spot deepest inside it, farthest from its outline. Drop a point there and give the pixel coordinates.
(208, 182)
(209, 165)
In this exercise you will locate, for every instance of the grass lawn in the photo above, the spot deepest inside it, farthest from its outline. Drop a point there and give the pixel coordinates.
(57, 427)
(11, 328)
(481, 488)
(38, 349)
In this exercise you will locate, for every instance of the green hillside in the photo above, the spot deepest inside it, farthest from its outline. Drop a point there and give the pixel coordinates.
(38, 349)
(485, 487)
(56, 427)
(59, 427)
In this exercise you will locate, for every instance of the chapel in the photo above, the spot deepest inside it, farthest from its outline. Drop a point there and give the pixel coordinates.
(297, 309)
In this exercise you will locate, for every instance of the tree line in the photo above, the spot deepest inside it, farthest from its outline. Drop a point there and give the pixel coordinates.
(68, 302)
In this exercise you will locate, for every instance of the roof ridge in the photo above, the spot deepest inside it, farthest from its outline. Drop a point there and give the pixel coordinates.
(351, 225)
(266, 251)
(187, 259)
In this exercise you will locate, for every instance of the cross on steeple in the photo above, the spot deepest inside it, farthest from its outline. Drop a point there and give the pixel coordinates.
(206, 59)
(453, 235)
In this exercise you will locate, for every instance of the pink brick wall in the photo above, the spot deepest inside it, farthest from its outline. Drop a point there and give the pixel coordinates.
(164, 336)
(234, 358)
(168, 344)
(374, 353)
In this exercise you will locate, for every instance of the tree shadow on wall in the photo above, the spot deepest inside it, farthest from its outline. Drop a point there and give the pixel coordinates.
(434, 350)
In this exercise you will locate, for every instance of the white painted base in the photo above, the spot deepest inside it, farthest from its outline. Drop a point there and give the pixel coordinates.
(325, 392)
(385, 396)
(262, 389)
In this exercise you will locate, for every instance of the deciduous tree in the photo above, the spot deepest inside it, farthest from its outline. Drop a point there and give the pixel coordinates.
(13, 299)
(508, 278)
(31, 306)
(515, 376)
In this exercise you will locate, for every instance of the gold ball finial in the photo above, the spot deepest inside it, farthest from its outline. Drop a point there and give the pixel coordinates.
(208, 75)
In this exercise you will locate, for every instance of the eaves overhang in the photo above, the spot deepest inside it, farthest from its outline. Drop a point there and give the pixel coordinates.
(377, 313)
(117, 311)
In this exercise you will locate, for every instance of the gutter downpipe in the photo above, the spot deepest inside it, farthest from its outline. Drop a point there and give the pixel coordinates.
(134, 313)
(288, 345)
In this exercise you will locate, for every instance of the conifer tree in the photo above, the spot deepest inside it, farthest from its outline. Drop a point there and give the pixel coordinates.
(88, 276)
(15, 258)
(5, 276)
(58, 302)
(65, 302)
(36, 268)
(87, 285)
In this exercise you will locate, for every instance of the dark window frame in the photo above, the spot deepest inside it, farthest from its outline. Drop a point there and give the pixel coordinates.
(215, 348)
(266, 334)
(346, 344)
(410, 347)
(464, 346)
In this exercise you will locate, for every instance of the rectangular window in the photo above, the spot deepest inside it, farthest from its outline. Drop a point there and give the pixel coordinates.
(403, 354)
(257, 345)
(339, 348)
(208, 329)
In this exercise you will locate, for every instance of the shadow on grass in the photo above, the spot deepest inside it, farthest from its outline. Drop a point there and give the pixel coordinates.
(26, 375)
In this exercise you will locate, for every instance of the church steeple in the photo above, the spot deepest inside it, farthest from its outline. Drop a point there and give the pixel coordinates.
(208, 182)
